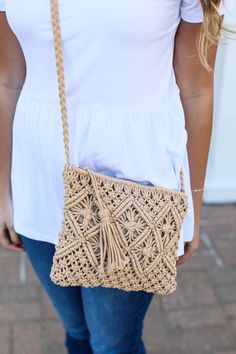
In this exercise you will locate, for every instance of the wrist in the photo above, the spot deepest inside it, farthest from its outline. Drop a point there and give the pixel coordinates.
(197, 190)
(197, 204)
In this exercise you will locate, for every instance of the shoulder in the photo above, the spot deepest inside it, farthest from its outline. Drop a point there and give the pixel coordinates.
(191, 10)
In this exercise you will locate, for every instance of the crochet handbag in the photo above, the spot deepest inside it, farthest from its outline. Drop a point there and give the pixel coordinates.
(115, 233)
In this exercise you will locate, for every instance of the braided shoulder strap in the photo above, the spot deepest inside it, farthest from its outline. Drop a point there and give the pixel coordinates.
(58, 47)
(60, 75)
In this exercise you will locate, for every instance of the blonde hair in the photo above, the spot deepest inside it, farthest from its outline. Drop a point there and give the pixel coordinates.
(210, 30)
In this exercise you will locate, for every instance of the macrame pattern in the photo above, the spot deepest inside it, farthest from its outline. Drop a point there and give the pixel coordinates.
(115, 233)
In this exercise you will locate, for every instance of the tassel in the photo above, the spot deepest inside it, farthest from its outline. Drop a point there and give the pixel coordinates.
(110, 248)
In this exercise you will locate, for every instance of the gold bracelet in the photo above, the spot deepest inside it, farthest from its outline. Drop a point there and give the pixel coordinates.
(198, 190)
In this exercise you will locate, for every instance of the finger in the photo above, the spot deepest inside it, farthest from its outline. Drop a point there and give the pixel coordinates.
(5, 241)
(13, 236)
(189, 249)
(183, 258)
(16, 242)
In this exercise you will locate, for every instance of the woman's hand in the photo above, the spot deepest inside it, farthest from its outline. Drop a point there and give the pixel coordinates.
(8, 237)
(190, 247)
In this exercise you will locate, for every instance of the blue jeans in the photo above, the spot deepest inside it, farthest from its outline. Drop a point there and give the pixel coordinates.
(96, 320)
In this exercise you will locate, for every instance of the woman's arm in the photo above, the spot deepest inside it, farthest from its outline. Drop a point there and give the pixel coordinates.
(196, 90)
(12, 75)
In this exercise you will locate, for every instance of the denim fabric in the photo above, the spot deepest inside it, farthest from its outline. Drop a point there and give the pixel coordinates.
(96, 320)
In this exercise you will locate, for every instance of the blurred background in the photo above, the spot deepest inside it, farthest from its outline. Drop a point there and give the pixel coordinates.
(221, 173)
(200, 316)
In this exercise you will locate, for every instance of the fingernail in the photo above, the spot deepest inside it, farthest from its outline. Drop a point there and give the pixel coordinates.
(19, 245)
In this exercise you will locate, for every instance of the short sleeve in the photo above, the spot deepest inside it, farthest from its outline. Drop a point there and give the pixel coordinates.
(191, 10)
(2, 5)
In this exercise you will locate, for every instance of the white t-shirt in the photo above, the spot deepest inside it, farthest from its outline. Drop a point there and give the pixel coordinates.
(125, 114)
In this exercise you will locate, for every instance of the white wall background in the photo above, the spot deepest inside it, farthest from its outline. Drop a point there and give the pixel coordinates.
(220, 186)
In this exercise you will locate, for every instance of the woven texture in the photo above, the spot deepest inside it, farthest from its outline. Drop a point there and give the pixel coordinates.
(126, 239)
(115, 233)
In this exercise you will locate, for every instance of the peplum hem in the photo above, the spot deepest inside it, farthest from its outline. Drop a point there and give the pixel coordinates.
(133, 143)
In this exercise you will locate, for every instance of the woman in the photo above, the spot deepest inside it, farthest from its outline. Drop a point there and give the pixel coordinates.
(137, 86)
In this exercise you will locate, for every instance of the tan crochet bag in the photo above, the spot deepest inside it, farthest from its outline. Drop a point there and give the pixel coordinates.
(115, 233)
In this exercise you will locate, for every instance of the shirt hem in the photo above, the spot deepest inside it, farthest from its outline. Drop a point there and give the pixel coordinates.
(29, 234)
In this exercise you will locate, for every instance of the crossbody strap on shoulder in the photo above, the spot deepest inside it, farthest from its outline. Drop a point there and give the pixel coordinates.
(58, 48)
